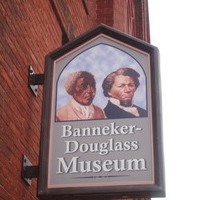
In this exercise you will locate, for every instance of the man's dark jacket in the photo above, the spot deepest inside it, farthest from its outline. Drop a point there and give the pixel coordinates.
(114, 112)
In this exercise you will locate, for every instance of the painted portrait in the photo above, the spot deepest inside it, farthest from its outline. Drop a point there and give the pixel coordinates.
(101, 82)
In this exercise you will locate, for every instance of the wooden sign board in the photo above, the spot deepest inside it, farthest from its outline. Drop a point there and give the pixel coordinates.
(101, 123)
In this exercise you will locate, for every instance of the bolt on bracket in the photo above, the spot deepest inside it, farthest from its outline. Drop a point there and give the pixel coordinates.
(28, 170)
(34, 80)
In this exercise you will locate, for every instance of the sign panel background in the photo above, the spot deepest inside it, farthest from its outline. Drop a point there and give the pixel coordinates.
(101, 56)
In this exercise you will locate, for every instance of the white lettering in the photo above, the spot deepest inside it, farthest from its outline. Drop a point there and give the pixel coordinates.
(64, 168)
(113, 129)
(66, 131)
(71, 146)
(136, 164)
(78, 166)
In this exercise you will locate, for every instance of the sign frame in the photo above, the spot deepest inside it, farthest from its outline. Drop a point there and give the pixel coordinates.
(157, 189)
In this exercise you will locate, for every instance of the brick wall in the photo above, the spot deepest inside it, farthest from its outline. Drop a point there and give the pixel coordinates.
(83, 18)
(26, 35)
(30, 29)
(104, 12)
(119, 15)
(129, 16)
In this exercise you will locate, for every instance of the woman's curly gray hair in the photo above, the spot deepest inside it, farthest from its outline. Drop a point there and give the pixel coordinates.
(71, 80)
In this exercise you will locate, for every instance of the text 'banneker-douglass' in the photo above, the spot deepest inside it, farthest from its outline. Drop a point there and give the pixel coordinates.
(113, 129)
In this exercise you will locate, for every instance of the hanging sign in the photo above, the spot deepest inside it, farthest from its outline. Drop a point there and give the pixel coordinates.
(101, 122)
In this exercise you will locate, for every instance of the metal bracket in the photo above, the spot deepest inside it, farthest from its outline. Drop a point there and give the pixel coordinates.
(34, 80)
(28, 170)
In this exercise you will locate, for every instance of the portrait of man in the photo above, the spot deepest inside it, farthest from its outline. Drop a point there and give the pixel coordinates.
(81, 86)
(120, 87)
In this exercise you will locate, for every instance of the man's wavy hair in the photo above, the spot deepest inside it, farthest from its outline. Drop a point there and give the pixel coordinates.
(71, 80)
(109, 80)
